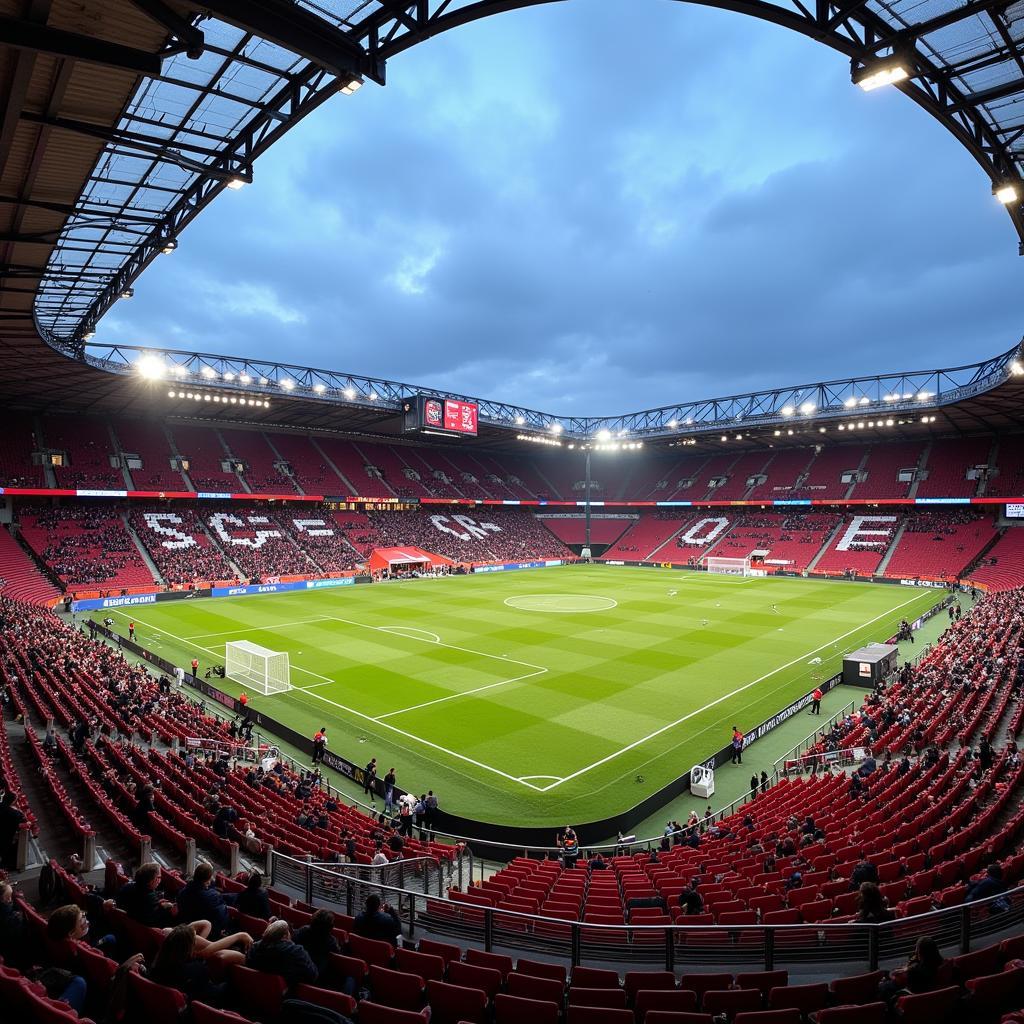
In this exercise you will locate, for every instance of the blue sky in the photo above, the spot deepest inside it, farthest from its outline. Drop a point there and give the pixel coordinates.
(596, 207)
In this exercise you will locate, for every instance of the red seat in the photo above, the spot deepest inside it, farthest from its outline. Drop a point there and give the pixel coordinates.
(515, 1009)
(637, 980)
(337, 1001)
(400, 989)
(930, 1007)
(993, 994)
(805, 998)
(763, 981)
(453, 1004)
(340, 968)
(703, 983)
(156, 1004)
(374, 1013)
(682, 1017)
(258, 994)
(590, 977)
(373, 951)
(598, 1015)
(426, 965)
(613, 998)
(980, 962)
(768, 1017)
(502, 964)
(860, 988)
(549, 990)
(731, 1001)
(487, 979)
(539, 969)
(203, 1014)
(869, 1013)
(664, 1000)
(445, 950)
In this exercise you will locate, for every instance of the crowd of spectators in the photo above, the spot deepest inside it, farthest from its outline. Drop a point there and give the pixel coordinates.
(178, 562)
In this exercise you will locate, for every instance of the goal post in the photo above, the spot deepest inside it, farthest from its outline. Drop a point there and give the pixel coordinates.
(728, 566)
(258, 668)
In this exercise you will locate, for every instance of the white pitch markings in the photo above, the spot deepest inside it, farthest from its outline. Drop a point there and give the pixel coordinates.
(352, 711)
(432, 638)
(255, 629)
(725, 696)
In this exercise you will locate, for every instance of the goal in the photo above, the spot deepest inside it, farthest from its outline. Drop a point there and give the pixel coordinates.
(728, 566)
(259, 668)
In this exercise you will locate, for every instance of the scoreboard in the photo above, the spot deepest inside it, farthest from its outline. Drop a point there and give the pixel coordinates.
(427, 414)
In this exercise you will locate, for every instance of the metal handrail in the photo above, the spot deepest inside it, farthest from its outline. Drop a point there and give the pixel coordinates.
(809, 740)
(891, 938)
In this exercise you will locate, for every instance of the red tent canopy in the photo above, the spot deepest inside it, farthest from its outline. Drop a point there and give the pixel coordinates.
(391, 558)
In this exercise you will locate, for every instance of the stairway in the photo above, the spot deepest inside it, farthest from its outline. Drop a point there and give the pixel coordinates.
(328, 461)
(150, 564)
(891, 550)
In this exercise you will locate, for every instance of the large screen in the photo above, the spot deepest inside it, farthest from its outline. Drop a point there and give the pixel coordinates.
(1015, 511)
(440, 415)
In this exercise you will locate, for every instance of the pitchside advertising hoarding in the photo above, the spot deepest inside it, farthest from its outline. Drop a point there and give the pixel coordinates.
(1015, 510)
(426, 413)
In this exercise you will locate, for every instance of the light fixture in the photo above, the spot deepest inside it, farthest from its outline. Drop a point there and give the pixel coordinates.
(374, 396)
(1017, 368)
(1007, 192)
(127, 293)
(888, 423)
(170, 394)
(672, 424)
(236, 183)
(807, 408)
(556, 428)
(151, 367)
(724, 438)
(842, 426)
(318, 388)
(879, 73)
(245, 379)
(850, 402)
(208, 372)
(89, 334)
(287, 384)
(354, 84)
(788, 410)
(350, 393)
(865, 400)
(169, 246)
(778, 433)
(604, 435)
(519, 420)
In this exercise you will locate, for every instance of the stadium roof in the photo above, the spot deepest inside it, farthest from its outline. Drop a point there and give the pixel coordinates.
(123, 119)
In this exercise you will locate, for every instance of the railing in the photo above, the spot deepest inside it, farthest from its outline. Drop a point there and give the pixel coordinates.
(809, 741)
(869, 945)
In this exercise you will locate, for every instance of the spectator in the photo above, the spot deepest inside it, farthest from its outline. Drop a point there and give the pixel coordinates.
(12, 928)
(276, 953)
(991, 884)
(871, 906)
(11, 820)
(142, 900)
(201, 900)
(691, 900)
(253, 899)
(865, 871)
(317, 940)
(378, 921)
(178, 966)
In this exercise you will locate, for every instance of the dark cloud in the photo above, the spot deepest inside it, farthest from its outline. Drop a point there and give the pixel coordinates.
(596, 208)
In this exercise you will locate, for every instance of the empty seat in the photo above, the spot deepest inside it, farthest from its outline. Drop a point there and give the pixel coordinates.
(634, 981)
(375, 1013)
(763, 981)
(768, 1017)
(731, 1001)
(258, 994)
(426, 965)
(487, 979)
(930, 1007)
(396, 988)
(598, 1015)
(502, 964)
(613, 998)
(453, 1004)
(869, 1013)
(665, 1000)
(539, 969)
(445, 950)
(515, 1009)
(701, 983)
(860, 988)
(594, 977)
(528, 986)
(373, 951)
(805, 998)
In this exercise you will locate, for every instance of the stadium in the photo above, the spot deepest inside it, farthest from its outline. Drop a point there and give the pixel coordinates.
(330, 697)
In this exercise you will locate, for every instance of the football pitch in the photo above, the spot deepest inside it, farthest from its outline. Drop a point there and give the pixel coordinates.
(545, 696)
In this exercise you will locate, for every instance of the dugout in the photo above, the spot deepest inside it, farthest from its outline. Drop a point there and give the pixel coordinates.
(869, 665)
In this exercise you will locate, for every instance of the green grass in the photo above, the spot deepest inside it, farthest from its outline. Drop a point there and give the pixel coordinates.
(537, 717)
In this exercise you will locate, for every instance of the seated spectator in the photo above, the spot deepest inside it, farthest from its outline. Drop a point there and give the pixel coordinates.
(276, 953)
(378, 921)
(316, 939)
(142, 900)
(201, 900)
(923, 972)
(989, 885)
(178, 966)
(865, 871)
(691, 900)
(253, 900)
(871, 907)
(12, 928)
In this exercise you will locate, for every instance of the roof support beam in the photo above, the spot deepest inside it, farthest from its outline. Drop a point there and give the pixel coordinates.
(192, 39)
(27, 35)
(302, 32)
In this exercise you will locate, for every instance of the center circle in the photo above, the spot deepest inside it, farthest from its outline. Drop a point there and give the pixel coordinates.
(560, 603)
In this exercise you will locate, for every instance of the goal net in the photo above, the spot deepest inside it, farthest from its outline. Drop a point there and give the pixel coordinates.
(259, 668)
(728, 566)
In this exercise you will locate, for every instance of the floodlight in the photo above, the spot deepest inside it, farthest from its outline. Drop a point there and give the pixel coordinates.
(178, 370)
(842, 426)
(1007, 192)
(318, 388)
(354, 84)
(879, 73)
(89, 335)
(287, 384)
(865, 400)
(236, 183)
(519, 419)
(604, 435)
(788, 410)
(850, 402)
(556, 428)
(1017, 368)
(245, 379)
(724, 438)
(151, 367)
(672, 424)
(208, 372)
(127, 293)
(169, 246)
(807, 408)
(374, 396)
(778, 433)
(888, 423)
(170, 394)
(923, 396)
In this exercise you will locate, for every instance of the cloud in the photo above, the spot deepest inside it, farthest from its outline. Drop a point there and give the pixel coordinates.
(600, 208)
